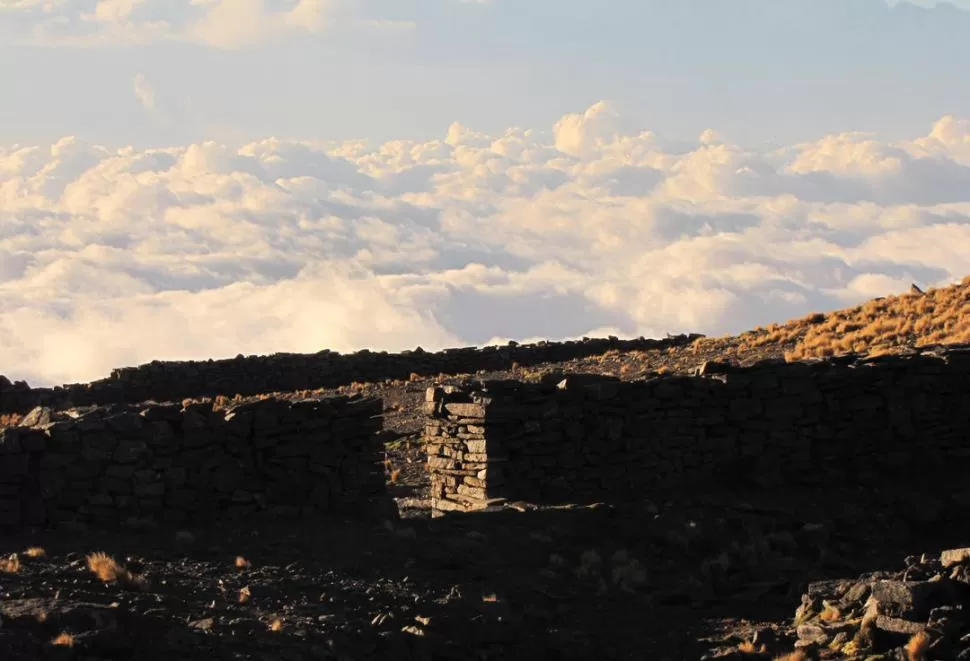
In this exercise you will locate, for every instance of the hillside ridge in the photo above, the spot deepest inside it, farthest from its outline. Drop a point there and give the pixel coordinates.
(879, 326)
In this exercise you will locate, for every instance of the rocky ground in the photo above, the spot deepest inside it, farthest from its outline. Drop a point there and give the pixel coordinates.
(686, 577)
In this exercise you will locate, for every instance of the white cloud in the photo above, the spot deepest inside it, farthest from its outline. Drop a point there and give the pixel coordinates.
(226, 24)
(144, 93)
(111, 257)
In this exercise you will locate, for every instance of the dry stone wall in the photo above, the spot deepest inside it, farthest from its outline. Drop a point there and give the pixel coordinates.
(159, 463)
(252, 375)
(874, 424)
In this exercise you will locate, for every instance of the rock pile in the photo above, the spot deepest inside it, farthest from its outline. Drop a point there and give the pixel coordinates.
(165, 462)
(920, 613)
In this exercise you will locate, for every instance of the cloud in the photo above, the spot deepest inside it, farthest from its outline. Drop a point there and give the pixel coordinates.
(225, 24)
(111, 257)
(144, 93)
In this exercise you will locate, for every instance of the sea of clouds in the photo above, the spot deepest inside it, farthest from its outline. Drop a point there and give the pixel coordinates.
(112, 257)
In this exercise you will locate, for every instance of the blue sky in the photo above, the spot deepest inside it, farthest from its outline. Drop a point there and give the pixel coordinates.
(757, 70)
(201, 178)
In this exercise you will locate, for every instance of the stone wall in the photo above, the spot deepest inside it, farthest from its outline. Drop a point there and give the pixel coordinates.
(125, 465)
(872, 424)
(252, 375)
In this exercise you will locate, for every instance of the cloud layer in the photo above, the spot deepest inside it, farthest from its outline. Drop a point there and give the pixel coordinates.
(226, 24)
(116, 257)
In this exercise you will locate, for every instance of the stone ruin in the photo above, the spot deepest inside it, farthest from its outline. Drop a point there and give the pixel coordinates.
(165, 463)
(872, 425)
(896, 424)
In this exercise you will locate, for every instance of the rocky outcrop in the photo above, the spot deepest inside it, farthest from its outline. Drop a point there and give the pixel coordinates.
(154, 463)
(251, 375)
(920, 612)
(879, 424)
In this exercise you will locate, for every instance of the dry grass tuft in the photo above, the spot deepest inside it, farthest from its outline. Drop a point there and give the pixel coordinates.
(747, 647)
(108, 570)
(797, 655)
(830, 614)
(35, 553)
(10, 419)
(64, 639)
(880, 326)
(242, 563)
(10, 564)
(918, 647)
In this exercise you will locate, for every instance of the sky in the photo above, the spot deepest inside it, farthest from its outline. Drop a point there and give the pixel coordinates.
(186, 179)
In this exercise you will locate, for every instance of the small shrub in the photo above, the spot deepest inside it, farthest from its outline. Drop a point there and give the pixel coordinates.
(108, 570)
(918, 647)
(10, 564)
(10, 419)
(797, 655)
(64, 639)
(830, 614)
(747, 647)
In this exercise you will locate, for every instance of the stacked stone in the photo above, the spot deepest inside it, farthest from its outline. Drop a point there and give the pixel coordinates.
(20, 450)
(169, 463)
(253, 375)
(462, 466)
(846, 421)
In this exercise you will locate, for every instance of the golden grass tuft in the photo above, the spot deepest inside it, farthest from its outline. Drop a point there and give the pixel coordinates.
(35, 553)
(918, 647)
(880, 326)
(242, 563)
(108, 570)
(10, 419)
(830, 614)
(64, 639)
(797, 655)
(747, 647)
(10, 564)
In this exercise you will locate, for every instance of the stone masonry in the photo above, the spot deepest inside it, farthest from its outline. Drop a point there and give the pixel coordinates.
(253, 375)
(870, 423)
(131, 465)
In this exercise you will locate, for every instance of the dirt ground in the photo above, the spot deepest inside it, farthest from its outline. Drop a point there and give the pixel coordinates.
(672, 579)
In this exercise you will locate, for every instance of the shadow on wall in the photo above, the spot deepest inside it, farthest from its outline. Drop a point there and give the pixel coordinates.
(892, 427)
(165, 463)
